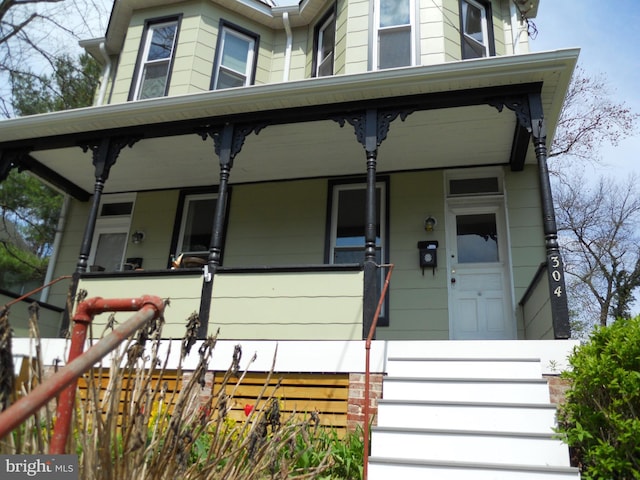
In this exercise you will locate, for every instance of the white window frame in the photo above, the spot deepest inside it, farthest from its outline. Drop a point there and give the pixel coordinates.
(247, 74)
(145, 62)
(411, 27)
(321, 59)
(484, 25)
(188, 199)
(337, 188)
(112, 223)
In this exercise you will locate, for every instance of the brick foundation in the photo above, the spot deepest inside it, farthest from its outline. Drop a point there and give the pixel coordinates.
(355, 406)
(557, 388)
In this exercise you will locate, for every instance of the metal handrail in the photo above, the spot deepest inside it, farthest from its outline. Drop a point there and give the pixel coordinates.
(36, 290)
(367, 370)
(65, 380)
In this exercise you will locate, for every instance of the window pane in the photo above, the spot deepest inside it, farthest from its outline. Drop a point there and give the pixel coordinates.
(477, 238)
(109, 250)
(470, 186)
(199, 223)
(326, 42)
(227, 79)
(394, 12)
(472, 21)
(154, 80)
(162, 42)
(351, 220)
(235, 53)
(395, 49)
(118, 208)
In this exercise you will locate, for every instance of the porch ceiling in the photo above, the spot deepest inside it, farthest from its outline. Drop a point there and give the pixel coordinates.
(462, 136)
(300, 139)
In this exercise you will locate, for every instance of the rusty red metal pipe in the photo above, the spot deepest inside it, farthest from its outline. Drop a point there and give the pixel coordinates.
(65, 380)
(367, 371)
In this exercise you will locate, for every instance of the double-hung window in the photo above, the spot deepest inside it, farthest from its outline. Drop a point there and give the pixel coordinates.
(235, 58)
(157, 53)
(476, 29)
(346, 239)
(196, 224)
(394, 20)
(324, 41)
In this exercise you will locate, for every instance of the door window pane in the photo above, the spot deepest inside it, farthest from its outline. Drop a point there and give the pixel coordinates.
(109, 250)
(477, 238)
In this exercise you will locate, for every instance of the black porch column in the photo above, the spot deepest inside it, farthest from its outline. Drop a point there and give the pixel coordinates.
(228, 142)
(370, 266)
(371, 129)
(555, 268)
(105, 155)
(223, 143)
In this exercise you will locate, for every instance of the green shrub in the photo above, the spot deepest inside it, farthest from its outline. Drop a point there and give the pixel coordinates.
(600, 420)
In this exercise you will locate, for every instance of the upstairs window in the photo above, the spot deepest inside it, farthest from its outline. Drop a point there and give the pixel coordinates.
(476, 30)
(157, 53)
(235, 58)
(324, 41)
(394, 22)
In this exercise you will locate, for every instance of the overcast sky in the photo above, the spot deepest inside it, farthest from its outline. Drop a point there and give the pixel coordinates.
(606, 33)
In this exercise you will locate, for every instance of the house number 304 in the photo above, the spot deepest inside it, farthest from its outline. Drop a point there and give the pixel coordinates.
(556, 274)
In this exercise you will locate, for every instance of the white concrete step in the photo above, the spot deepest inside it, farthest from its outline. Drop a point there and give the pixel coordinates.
(472, 446)
(434, 367)
(459, 389)
(386, 468)
(489, 417)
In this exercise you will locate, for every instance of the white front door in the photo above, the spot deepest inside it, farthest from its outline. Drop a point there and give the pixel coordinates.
(480, 300)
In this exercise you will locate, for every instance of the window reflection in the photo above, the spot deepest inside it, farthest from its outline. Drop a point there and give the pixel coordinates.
(477, 238)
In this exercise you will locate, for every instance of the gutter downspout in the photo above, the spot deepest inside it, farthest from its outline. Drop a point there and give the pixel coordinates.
(64, 210)
(516, 27)
(106, 74)
(288, 47)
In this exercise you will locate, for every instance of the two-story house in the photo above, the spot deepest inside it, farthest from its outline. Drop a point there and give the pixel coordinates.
(264, 163)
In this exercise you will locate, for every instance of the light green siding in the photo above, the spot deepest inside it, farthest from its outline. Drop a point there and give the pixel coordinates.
(183, 292)
(195, 52)
(357, 37)
(525, 226)
(49, 320)
(418, 302)
(536, 311)
(154, 215)
(277, 224)
(288, 306)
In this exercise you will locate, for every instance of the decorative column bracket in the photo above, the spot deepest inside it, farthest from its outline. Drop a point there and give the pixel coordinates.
(517, 104)
(240, 133)
(383, 122)
(10, 159)
(106, 152)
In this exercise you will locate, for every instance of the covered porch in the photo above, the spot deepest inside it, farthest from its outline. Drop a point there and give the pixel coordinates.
(492, 112)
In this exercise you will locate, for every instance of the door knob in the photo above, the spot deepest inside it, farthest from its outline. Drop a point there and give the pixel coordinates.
(453, 280)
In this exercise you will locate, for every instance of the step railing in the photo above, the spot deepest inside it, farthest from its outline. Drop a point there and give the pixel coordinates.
(64, 382)
(36, 290)
(367, 368)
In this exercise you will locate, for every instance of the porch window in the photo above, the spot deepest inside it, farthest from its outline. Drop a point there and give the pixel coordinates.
(346, 236)
(324, 41)
(196, 224)
(157, 53)
(476, 29)
(235, 58)
(394, 20)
